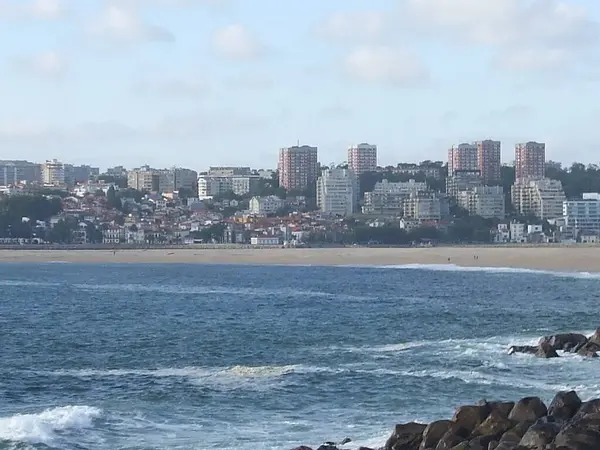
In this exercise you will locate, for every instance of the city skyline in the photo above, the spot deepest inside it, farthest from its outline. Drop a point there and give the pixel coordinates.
(225, 82)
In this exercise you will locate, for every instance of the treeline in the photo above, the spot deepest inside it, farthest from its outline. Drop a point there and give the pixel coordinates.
(19, 215)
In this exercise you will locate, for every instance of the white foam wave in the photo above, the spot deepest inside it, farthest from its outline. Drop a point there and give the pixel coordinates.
(42, 428)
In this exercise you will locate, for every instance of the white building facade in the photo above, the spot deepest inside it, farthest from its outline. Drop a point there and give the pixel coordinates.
(484, 201)
(542, 198)
(337, 191)
(583, 215)
(265, 205)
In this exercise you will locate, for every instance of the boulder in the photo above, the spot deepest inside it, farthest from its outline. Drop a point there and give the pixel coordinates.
(501, 408)
(528, 349)
(302, 447)
(564, 341)
(328, 446)
(589, 349)
(509, 441)
(496, 424)
(575, 438)
(528, 409)
(434, 432)
(493, 445)
(564, 405)
(595, 338)
(546, 350)
(540, 434)
(470, 416)
(455, 435)
(407, 436)
(587, 408)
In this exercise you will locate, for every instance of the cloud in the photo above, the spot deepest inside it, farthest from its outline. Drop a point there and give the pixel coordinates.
(361, 26)
(181, 87)
(33, 9)
(236, 43)
(536, 34)
(385, 65)
(122, 23)
(50, 64)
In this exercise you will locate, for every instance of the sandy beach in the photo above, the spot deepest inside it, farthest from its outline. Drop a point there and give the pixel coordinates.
(578, 259)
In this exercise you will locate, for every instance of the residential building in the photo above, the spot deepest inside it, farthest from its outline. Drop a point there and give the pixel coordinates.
(209, 186)
(541, 198)
(229, 171)
(298, 167)
(175, 179)
(265, 205)
(265, 240)
(144, 179)
(426, 207)
(430, 171)
(530, 161)
(337, 192)
(387, 198)
(362, 158)
(17, 171)
(518, 233)
(113, 235)
(463, 180)
(462, 157)
(118, 171)
(53, 173)
(583, 215)
(489, 161)
(79, 174)
(484, 201)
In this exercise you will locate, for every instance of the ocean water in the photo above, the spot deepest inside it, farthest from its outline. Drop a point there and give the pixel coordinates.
(265, 358)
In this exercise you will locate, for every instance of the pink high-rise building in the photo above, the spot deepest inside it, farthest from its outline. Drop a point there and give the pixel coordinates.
(530, 161)
(298, 167)
(489, 160)
(362, 158)
(462, 158)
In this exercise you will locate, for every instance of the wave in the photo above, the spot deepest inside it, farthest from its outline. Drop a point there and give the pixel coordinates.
(43, 428)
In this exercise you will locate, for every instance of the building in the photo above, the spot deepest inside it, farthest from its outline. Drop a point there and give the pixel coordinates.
(530, 161)
(337, 191)
(489, 157)
(229, 171)
(430, 171)
(144, 179)
(16, 172)
(426, 207)
(53, 173)
(117, 172)
(265, 205)
(209, 186)
(175, 179)
(463, 180)
(543, 198)
(462, 157)
(79, 174)
(362, 158)
(387, 198)
(583, 215)
(484, 201)
(298, 167)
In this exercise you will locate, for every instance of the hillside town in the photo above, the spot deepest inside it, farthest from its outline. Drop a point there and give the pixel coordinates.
(470, 198)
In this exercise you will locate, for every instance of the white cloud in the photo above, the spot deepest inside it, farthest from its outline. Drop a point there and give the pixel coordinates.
(49, 64)
(237, 43)
(49, 9)
(33, 9)
(382, 64)
(365, 25)
(551, 32)
(122, 23)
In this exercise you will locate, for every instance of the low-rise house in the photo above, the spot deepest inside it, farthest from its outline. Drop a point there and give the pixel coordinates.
(265, 240)
(113, 235)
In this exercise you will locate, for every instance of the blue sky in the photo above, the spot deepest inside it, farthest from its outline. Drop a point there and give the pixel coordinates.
(204, 82)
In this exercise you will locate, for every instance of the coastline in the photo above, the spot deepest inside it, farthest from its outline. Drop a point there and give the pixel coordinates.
(560, 259)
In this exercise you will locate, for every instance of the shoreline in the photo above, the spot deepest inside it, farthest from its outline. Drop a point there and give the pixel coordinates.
(557, 259)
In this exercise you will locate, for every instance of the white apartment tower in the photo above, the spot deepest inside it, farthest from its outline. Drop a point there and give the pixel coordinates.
(337, 191)
(362, 158)
(53, 173)
(543, 198)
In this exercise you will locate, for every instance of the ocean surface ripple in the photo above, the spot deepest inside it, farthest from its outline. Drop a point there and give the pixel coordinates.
(264, 358)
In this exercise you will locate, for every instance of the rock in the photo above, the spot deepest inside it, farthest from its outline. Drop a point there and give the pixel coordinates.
(406, 436)
(529, 349)
(564, 341)
(528, 409)
(455, 435)
(539, 435)
(492, 445)
(496, 424)
(587, 408)
(462, 446)
(302, 447)
(589, 349)
(546, 350)
(469, 417)
(481, 442)
(434, 432)
(328, 446)
(595, 338)
(501, 408)
(509, 441)
(564, 405)
(575, 438)
(345, 441)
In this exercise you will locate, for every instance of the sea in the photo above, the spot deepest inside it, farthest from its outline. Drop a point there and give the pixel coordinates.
(268, 358)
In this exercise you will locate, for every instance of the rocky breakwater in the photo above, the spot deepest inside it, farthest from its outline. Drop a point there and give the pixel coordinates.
(566, 424)
(549, 346)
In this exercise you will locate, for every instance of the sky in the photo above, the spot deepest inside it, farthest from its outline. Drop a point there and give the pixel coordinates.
(195, 83)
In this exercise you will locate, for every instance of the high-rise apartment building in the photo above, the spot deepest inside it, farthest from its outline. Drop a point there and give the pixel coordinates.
(530, 161)
(462, 157)
(144, 179)
(337, 192)
(362, 158)
(53, 173)
(79, 174)
(15, 172)
(298, 167)
(489, 160)
(541, 198)
(484, 201)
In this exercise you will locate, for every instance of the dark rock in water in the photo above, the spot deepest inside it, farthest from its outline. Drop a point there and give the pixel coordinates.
(564, 341)
(302, 447)
(528, 409)
(589, 349)
(469, 417)
(345, 441)
(578, 438)
(496, 424)
(455, 435)
(502, 409)
(587, 408)
(493, 445)
(539, 435)
(406, 436)
(434, 432)
(546, 350)
(328, 446)
(595, 338)
(564, 405)
(529, 349)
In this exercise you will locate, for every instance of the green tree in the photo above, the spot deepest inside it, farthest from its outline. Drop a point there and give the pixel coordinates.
(61, 233)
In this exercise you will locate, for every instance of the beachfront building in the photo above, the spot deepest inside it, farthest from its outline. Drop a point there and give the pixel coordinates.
(541, 198)
(269, 204)
(387, 198)
(337, 192)
(484, 201)
(583, 215)
(426, 207)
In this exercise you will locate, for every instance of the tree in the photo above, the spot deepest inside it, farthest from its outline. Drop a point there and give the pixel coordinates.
(61, 233)
(112, 200)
